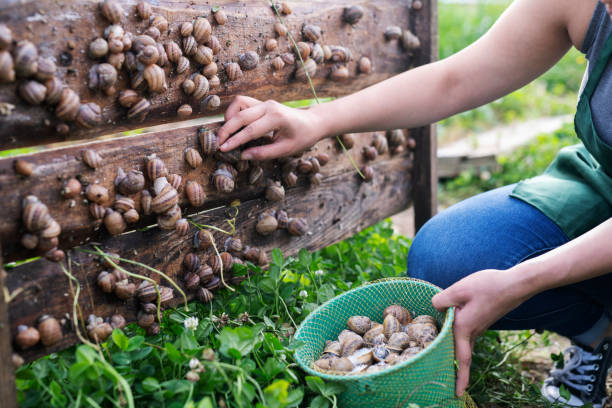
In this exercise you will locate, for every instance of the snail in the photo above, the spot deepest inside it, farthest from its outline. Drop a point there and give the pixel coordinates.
(145, 202)
(195, 193)
(7, 67)
(311, 32)
(27, 337)
(186, 29)
(52, 230)
(327, 53)
(202, 240)
(309, 69)
(97, 329)
(352, 14)
(317, 54)
(233, 245)
(368, 173)
(266, 224)
(283, 219)
(89, 115)
(97, 211)
(340, 54)
(55, 255)
(208, 141)
(361, 358)
(205, 273)
(215, 264)
(380, 143)
(23, 167)
(144, 10)
(116, 60)
(290, 179)
(278, 64)
(401, 314)
(155, 77)
(153, 330)
(315, 165)
(201, 30)
(46, 69)
(297, 226)
(188, 86)
(46, 244)
(36, 215)
(372, 336)
(398, 342)
(72, 188)
(146, 292)
(424, 319)
(114, 31)
(339, 73)
(370, 152)
(227, 260)
(303, 49)
(396, 137)
(316, 179)
(140, 110)
(280, 29)
(190, 46)
(359, 324)
(348, 140)
(322, 158)
(422, 333)
(256, 175)
(210, 70)
(141, 41)
(153, 32)
(26, 59)
(168, 220)
(115, 46)
(155, 167)
(364, 65)
(98, 48)
(6, 37)
(131, 216)
(182, 66)
(182, 227)
(390, 325)
(248, 61)
(184, 111)
(220, 17)
(271, 44)
(111, 10)
(204, 295)
(275, 191)
(192, 157)
(410, 42)
(256, 255)
(393, 33)
(128, 97)
(191, 262)
(203, 55)
(332, 348)
(288, 58)
(129, 183)
(282, 8)
(32, 92)
(49, 330)
(212, 102)
(214, 44)
(223, 181)
(233, 71)
(192, 282)
(159, 22)
(148, 55)
(166, 198)
(114, 222)
(201, 87)
(29, 241)
(91, 158)
(102, 76)
(106, 281)
(117, 321)
(350, 342)
(173, 51)
(123, 204)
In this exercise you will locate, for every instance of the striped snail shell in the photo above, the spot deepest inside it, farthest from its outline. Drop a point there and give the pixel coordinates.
(148, 55)
(6, 37)
(192, 281)
(249, 60)
(114, 222)
(51, 231)
(303, 49)
(214, 44)
(167, 220)
(186, 29)
(35, 215)
(68, 107)
(290, 179)
(54, 90)
(233, 245)
(223, 181)
(145, 202)
(202, 240)
(128, 98)
(131, 216)
(46, 69)
(220, 17)
(278, 63)
(175, 181)
(173, 51)
(352, 14)
(165, 200)
(256, 175)
(140, 110)
(205, 273)
(275, 191)
(188, 86)
(123, 204)
(380, 143)
(208, 141)
(205, 295)
(317, 54)
(340, 54)
(89, 115)
(159, 22)
(214, 82)
(233, 71)
(201, 30)
(130, 182)
(309, 67)
(191, 262)
(32, 92)
(339, 73)
(155, 167)
(144, 10)
(297, 226)
(182, 65)
(111, 10)
(26, 59)
(192, 157)
(190, 46)
(7, 67)
(203, 55)
(210, 70)
(156, 78)
(283, 219)
(212, 102)
(97, 211)
(182, 227)
(195, 193)
(266, 224)
(92, 158)
(227, 260)
(311, 32)
(201, 87)
(215, 264)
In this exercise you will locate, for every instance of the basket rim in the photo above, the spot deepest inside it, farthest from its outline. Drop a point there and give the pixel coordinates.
(446, 327)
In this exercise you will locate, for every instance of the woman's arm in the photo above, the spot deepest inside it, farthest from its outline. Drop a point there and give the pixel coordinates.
(484, 297)
(526, 41)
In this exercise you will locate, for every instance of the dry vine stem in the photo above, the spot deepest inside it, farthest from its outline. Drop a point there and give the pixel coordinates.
(314, 92)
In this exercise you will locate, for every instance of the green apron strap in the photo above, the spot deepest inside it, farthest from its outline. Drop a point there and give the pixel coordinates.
(598, 70)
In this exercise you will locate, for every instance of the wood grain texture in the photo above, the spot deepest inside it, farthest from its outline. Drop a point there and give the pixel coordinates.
(342, 205)
(7, 376)
(52, 25)
(53, 167)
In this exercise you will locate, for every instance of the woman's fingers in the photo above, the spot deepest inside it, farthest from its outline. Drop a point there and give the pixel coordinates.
(267, 152)
(238, 121)
(463, 351)
(239, 103)
(255, 129)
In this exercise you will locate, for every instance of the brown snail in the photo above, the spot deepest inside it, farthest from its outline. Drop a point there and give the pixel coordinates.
(311, 32)
(89, 115)
(410, 41)
(72, 188)
(288, 58)
(266, 224)
(92, 158)
(6, 37)
(192, 157)
(214, 44)
(210, 70)
(202, 240)
(128, 97)
(144, 10)
(140, 110)
(195, 193)
(327, 53)
(316, 166)
(7, 67)
(35, 214)
(201, 30)
(111, 10)
(167, 220)
(227, 260)
(114, 222)
(290, 179)
(322, 158)
(26, 59)
(190, 45)
(153, 32)
(27, 337)
(212, 102)
(46, 69)
(308, 69)
(155, 167)
(98, 48)
(220, 17)
(208, 141)
(304, 166)
(117, 321)
(191, 262)
(280, 29)
(204, 295)
(124, 289)
(380, 143)
(97, 329)
(182, 227)
(370, 152)
(203, 55)
(156, 78)
(256, 175)
(166, 198)
(201, 87)
(50, 330)
(316, 179)
(359, 324)
(32, 92)
(192, 281)
(282, 8)
(248, 61)
(339, 73)
(23, 167)
(131, 216)
(102, 76)
(184, 111)
(106, 281)
(352, 14)
(159, 22)
(278, 63)
(340, 54)
(297, 227)
(188, 86)
(182, 66)
(29, 241)
(368, 173)
(223, 181)
(393, 33)
(401, 314)
(364, 65)
(317, 54)
(52, 230)
(173, 51)
(215, 264)
(233, 245)
(283, 219)
(205, 273)
(129, 183)
(233, 71)
(148, 55)
(303, 49)
(271, 44)
(275, 191)
(97, 211)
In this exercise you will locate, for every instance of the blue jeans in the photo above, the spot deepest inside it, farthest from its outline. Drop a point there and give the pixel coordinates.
(495, 231)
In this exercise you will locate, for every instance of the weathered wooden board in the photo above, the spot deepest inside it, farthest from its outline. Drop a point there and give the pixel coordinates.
(7, 377)
(53, 167)
(55, 26)
(342, 205)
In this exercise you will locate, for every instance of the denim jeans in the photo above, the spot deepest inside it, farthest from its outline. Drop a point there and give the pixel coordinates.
(495, 231)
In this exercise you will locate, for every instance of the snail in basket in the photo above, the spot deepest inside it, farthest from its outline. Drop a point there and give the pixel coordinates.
(367, 346)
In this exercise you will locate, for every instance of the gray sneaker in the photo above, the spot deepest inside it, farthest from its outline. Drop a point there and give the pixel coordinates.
(583, 374)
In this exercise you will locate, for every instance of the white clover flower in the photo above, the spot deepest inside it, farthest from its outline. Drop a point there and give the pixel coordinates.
(194, 363)
(192, 376)
(319, 272)
(191, 323)
(303, 294)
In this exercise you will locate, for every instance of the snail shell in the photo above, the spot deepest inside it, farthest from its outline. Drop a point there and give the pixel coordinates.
(422, 333)
(365, 65)
(156, 78)
(297, 227)
(125, 290)
(372, 336)
(52, 230)
(215, 264)
(36, 216)
(97, 211)
(271, 44)
(220, 17)
(128, 97)
(111, 10)
(256, 175)
(159, 22)
(47, 244)
(186, 29)
(278, 64)
(144, 10)
(393, 33)
(325, 363)
(98, 330)
(352, 14)
(92, 158)
(32, 92)
(114, 31)
(145, 202)
(210, 70)
(6, 37)
(29, 241)
(280, 29)
(7, 67)
(311, 32)
(89, 115)
(342, 364)
(304, 166)
(317, 54)
(233, 245)
(142, 41)
(333, 348)
(205, 273)
(116, 60)
(303, 49)
(72, 188)
(275, 191)
(368, 173)
(425, 319)
(391, 325)
(23, 167)
(201, 30)
(359, 324)
(316, 166)
(370, 152)
(362, 357)
(190, 46)
(339, 73)
(290, 179)
(153, 330)
(340, 54)
(249, 60)
(227, 260)
(380, 143)
(267, 224)
(130, 183)
(288, 58)
(202, 240)
(233, 71)
(208, 141)
(148, 55)
(348, 140)
(327, 53)
(182, 66)
(283, 219)
(162, 61)
(212, 102)
(114, 222)
(401, 314)
(26, 337)
(140, 110)
(410, 352)
(214, 44)
(118, 322)
(195, 193)
(106, 281)
(102, 76)
(165, 200)
(316, 179)
(410, 42)
(146, 292)
(191, 262)
(123, 204)
(46, 69)
(309, 69)
(192, 157)
(173, 51)
(115, 46)
(175, 181)
(203, 55)
(167, 220)
(155, 167)
(192, 281)
(350, 344)
(188, 86)
(201, 87)
(380, 353)
(131, 62)
(204, 295)
(26, 59)
(223, 181)
(398, 341)
(145, 320)
(282, 8)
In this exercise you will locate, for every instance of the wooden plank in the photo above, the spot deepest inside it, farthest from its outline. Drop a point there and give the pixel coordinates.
(55, 26)
(342, 205)
(53, 167)
(7, 376)
(426, 178)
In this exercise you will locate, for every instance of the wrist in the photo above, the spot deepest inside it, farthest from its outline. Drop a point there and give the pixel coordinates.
(530, 277)
(322, 121)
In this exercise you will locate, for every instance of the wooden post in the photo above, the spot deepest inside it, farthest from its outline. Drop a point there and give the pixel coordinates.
(7, 376)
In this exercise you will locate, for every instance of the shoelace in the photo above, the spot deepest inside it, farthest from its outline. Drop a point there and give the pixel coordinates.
(577, 367)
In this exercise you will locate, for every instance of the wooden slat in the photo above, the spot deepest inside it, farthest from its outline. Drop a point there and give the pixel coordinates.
(342, 205)
(54, 166)
(7, 376)
(52, 24)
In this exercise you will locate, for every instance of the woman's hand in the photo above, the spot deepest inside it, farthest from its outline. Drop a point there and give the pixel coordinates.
(480, 300)
(247, 119)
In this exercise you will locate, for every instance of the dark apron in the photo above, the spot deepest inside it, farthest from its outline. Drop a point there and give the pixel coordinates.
(575, 191)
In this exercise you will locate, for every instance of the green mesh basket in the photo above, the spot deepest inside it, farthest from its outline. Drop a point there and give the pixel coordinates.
(427, 380)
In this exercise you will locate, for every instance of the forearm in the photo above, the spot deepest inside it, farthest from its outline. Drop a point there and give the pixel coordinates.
(585, 257)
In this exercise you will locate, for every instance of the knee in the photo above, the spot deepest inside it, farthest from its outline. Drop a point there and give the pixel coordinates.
(426, 258)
